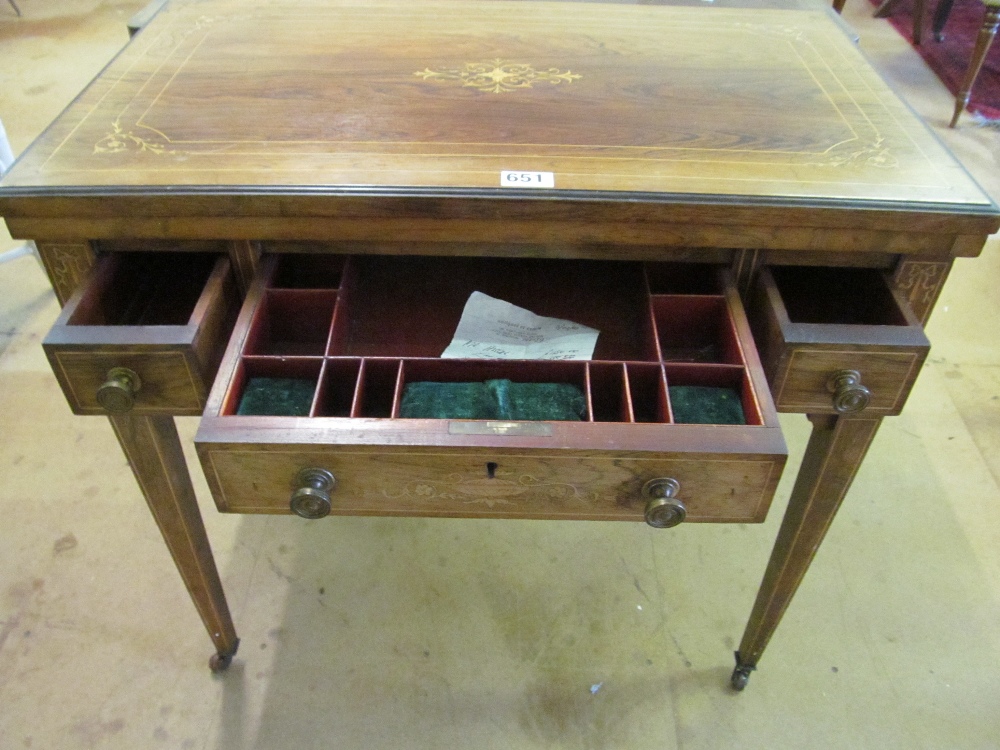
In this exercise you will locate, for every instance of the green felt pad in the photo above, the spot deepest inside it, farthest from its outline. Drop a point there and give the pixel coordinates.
(541, 401)
(698, 404)
(447, 400)
(494, 399)
(277, 397)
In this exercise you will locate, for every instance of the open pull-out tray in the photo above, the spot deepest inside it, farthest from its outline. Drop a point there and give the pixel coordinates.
(345, 337)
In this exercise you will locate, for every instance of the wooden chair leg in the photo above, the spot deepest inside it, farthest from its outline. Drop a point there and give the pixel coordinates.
(885, 9)
(987, 33)
(918, 21)
(941, 18)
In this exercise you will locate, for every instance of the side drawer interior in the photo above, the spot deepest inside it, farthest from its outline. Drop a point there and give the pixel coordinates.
(165, 316)
(814, 325)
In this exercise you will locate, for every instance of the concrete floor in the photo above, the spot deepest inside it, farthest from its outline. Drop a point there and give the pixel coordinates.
(382, 633)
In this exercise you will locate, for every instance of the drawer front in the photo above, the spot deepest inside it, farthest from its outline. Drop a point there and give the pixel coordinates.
(836, 340)
(491, 484)
(170, 380)
(144, 334)
(807, 380)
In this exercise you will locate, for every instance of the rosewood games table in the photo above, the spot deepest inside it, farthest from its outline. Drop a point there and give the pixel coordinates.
(301, 195)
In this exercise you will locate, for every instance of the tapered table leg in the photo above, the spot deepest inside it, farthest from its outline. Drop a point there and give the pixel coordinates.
(154, 452)
(834, 453)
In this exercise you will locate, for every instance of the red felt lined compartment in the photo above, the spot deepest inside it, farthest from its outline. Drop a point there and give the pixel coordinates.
(383, 321)
(269, 367)
(647, 393)
(410, 306)
(378, 390)
(607, 398)
(338, 388)
(695, 328)
(291, 322)
(682, 278)
(718, 376)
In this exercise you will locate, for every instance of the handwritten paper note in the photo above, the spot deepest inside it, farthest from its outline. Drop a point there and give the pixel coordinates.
(493, 329)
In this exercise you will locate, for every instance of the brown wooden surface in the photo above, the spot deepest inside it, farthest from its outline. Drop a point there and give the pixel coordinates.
(154, 451)
(702, 106)
(244, 257)
(669, 99)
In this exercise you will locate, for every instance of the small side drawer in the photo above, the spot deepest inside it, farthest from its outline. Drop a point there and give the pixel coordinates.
(144, 334)
(836, 340)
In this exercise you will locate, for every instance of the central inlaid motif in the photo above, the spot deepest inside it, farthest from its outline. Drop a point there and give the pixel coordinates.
(497, 76)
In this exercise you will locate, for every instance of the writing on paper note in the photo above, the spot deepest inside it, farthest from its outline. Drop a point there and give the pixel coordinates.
(493, 329)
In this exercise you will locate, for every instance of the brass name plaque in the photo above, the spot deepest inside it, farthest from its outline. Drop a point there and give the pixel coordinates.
(515, 429)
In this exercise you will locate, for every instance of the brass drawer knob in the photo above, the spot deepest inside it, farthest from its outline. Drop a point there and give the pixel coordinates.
(849, 395)
(117, 393)
(312, 498)
(663, 508)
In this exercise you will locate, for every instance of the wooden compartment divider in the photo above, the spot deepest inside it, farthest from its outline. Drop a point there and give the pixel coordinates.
(338, 387)
(607, 395)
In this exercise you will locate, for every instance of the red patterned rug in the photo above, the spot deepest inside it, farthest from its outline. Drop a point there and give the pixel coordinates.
(950, 58)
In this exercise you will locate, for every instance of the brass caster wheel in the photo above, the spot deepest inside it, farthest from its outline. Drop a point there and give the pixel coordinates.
(739, 679)
(741, 675)
(220, 662)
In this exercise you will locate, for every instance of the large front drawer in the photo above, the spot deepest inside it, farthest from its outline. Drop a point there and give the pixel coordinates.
(836, 340)
(354, 333)
(144, 334)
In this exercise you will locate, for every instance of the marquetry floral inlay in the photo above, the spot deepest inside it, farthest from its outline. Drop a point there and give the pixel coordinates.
(67, 265)
(497, 76)
(874, 154)
(502, 489)
(118, 139)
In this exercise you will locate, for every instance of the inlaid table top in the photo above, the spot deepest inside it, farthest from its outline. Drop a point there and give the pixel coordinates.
(292, 97)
